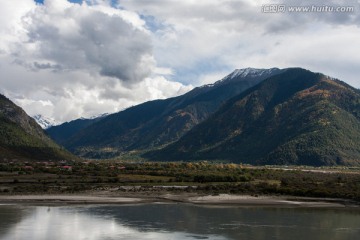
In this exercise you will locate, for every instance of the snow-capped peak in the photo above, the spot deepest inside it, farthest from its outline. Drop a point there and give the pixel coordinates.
(45, 122)
(101, 115)
(251, 72)
(245, 73)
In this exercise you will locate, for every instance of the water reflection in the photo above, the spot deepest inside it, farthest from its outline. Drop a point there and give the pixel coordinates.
(175, 221)
(90, 223)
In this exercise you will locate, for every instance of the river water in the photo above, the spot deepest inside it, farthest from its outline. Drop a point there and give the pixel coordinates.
(176, 221)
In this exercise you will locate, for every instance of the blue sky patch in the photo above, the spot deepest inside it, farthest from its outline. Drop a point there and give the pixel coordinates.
(152, 23)
(73, 1)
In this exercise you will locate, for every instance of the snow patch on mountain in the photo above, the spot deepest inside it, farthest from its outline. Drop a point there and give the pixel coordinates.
(102, 115)
(250, 72)
(245, 73)
(45, 122)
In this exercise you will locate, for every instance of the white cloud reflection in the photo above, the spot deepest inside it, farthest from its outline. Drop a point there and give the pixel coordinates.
(59, 223)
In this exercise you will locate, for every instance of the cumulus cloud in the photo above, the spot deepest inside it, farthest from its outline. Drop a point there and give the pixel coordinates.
(76, 94)
(66, 60)
(66, 36)
(233, 34)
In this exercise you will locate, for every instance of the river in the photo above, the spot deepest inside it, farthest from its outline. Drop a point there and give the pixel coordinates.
(175, 221)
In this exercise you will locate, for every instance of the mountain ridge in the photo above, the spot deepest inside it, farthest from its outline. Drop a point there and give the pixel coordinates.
(260, 125)
(22, 138)
(60, 133)
(159, 122)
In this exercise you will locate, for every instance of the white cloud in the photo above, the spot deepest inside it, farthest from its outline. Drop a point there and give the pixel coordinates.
(76, 94)
(65, 36)
(66, 60)
(92, 58)
(11, 22)
(229, 34)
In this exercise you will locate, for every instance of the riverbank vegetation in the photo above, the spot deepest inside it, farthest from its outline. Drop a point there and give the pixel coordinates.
(202, 177)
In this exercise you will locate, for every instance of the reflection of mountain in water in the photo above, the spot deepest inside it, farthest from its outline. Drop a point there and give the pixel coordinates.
(179, 221)
(238, 222)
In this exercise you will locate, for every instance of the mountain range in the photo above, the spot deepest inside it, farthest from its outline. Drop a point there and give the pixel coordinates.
(156, 123)
(61, 133)
(257, 116)
(296, 117)
(22, 138)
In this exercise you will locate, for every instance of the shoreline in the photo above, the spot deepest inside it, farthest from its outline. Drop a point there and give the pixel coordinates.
(197, 199)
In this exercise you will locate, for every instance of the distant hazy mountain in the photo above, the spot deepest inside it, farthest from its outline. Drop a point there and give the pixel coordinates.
(295, 117)
(22, 138)
(156, 123)
(44, 122)
(63, 132)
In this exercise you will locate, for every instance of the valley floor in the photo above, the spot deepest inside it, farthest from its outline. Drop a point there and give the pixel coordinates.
(200, 183)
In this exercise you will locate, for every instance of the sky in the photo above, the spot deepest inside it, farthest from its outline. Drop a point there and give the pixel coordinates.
(70, 59)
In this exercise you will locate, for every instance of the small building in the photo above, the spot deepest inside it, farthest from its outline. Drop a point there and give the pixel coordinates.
(66, 167)
(28, 168)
